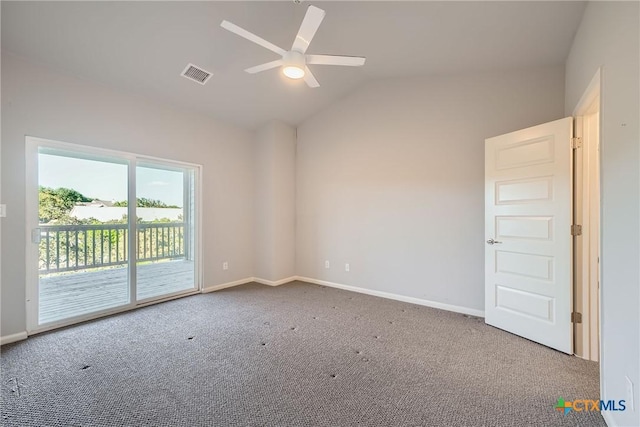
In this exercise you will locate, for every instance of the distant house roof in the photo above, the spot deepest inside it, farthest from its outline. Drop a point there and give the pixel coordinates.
(111, 213)
(97, 203)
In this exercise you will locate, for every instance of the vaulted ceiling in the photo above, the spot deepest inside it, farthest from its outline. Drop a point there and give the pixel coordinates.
(142, 47)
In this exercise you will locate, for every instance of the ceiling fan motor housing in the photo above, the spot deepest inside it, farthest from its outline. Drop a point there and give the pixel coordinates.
(293, 64)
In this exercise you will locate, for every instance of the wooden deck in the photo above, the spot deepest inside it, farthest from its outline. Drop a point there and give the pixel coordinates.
(71, 294)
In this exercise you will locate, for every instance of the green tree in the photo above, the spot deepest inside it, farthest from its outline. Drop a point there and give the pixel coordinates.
(55, 204)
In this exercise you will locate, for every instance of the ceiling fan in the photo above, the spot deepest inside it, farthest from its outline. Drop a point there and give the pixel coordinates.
(295, 62)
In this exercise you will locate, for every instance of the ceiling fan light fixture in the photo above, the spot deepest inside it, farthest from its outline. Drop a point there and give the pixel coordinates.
(293, 64)
(293, 72)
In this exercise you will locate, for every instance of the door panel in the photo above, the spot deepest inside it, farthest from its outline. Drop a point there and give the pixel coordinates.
(523, 303)
(528, 260)
(533, 190)
(524, 227)
(165, 222)
(83, 266)
(538, 267)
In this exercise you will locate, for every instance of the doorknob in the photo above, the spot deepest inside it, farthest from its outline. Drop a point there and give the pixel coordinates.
(491, 241)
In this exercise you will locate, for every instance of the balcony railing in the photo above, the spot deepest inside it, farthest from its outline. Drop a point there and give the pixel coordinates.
(80, 247)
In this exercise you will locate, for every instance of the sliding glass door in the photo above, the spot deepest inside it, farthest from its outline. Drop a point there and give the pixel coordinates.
(83, 264)
(166, 229)
(109, 231)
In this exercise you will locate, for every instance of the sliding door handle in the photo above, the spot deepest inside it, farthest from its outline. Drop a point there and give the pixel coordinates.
(36, 235)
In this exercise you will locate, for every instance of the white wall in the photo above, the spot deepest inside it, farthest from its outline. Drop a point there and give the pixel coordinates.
(274, 215)
(37, 102)
(391, 180)
(609, 37)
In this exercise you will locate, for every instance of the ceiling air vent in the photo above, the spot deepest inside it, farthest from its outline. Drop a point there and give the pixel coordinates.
(196, 74)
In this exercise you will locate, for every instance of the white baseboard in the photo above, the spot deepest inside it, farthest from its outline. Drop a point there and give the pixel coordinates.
(248, 280)
(412, 300)
(8, 339)
(227, 285)
(276, 282)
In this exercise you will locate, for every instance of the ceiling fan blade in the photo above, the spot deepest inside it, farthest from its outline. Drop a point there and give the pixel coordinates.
(349, 61)
(309, 78)
(264, 67)
(252, 37)
(308, 28)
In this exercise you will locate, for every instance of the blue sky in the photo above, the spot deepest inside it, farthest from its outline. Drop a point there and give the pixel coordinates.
(108, 181)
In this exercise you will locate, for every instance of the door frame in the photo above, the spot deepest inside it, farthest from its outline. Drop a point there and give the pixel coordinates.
(591, 325)
(32, 144)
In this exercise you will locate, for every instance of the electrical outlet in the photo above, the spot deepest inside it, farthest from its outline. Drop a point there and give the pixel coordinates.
(326, 264)
(346, 267)
(3, 211)
(225, 265)
(630, 397)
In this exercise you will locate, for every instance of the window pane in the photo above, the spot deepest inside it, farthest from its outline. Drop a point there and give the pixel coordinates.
(166, 234)
(83, 249)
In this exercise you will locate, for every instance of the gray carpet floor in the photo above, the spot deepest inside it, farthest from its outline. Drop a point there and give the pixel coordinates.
(294, 355)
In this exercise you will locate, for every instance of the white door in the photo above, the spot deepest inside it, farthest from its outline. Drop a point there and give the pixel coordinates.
(528, 215)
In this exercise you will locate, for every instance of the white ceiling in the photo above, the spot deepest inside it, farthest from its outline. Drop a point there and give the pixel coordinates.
(142, 47)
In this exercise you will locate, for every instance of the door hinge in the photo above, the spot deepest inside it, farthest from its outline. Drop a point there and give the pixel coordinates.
(576, 230)
(576, 142)
(576, 317)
